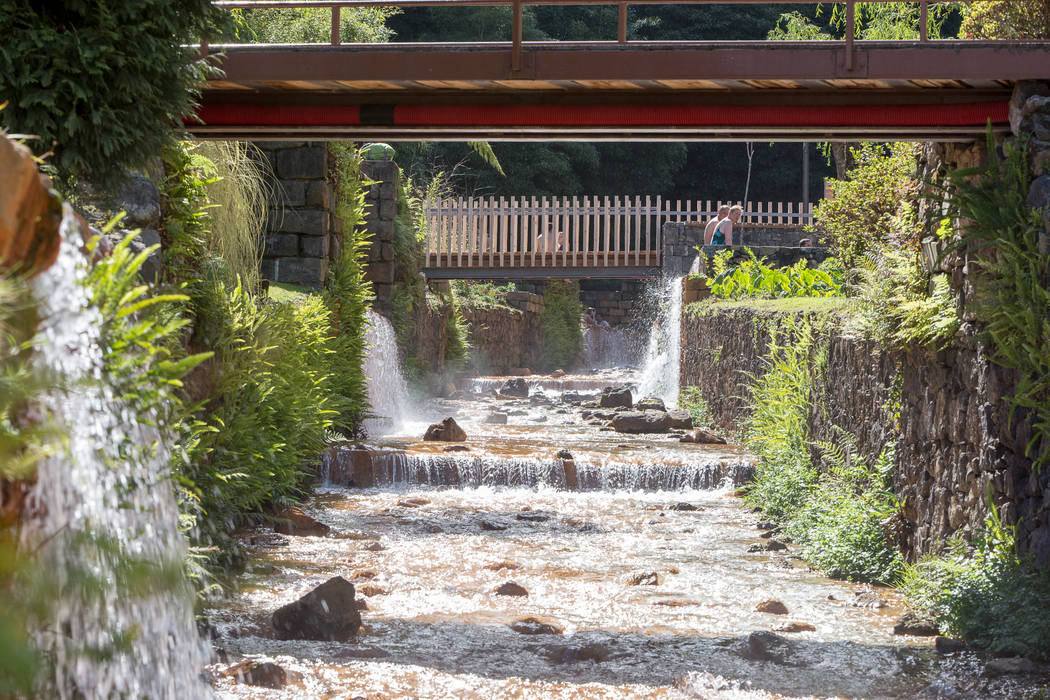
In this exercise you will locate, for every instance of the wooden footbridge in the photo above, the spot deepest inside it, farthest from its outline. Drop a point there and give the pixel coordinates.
(567, 237)
(620, 89)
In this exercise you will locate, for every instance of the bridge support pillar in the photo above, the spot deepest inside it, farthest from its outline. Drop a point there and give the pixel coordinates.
(680, 241)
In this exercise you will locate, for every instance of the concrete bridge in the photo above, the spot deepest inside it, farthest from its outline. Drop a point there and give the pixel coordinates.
(612, 90)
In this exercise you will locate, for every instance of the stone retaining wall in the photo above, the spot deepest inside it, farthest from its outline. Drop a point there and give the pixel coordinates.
(955, 439)
(779, 245)
(506, 339)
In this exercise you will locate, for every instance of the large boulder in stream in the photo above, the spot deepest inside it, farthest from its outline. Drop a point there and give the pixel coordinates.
(680, 420)
(328, 613)
(616, 396)
(293, 521)
(517, 388)
(651, 403)
(641, 422)
(447, 430)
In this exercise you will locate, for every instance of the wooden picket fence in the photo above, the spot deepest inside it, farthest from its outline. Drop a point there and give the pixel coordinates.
(606, 231)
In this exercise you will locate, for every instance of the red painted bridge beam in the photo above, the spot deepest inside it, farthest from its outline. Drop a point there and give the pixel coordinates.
(626, 116)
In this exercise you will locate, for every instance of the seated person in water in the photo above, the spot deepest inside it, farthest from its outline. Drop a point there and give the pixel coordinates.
(709, 230)
(723, 233)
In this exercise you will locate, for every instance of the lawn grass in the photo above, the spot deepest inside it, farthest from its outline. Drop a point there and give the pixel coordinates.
(284, 292)
(838, 306)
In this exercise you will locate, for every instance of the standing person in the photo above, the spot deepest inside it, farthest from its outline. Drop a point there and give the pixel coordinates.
(723, 233)
(709, 230)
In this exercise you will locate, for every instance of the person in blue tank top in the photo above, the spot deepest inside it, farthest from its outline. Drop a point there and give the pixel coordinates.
(723, 233)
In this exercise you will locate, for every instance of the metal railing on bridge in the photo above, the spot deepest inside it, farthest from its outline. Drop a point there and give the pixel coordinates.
(574, 232)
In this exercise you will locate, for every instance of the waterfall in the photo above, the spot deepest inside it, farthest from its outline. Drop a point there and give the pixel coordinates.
(659, 375)
(608, 347)
(387, 391)
(105, 525)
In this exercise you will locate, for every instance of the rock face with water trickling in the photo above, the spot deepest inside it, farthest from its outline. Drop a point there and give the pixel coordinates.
(445, 431)
(613, 397)
(516, 388)
(641, 422)
(327, 614)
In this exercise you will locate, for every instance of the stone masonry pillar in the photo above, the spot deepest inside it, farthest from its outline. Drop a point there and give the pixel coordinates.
(382, 209)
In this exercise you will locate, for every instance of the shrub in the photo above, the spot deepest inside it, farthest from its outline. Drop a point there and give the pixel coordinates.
(560, 321)
(103, 83)
(692, 400)
(753, 279)
(872, 209)
(985, 592)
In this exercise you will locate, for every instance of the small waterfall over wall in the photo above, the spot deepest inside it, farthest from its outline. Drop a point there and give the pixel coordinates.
(105, 526)
(387, 391)
(659, 374)
(608, 347)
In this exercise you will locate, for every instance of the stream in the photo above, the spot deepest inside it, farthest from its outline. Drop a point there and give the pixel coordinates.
(638, 574)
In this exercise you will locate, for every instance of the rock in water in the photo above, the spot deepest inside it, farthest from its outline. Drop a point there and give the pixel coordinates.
(766, 646)
(531, 625)
(914, 624)
(293, 521)
(641, 422)
(558, 373)
(263, 675)
(326, 614)
(680, 420)
(511, 588)
(772, 607)
(446, 431)
(703, 437)
(496, 418)
(616, 396)
(518, 388)
(651, 404)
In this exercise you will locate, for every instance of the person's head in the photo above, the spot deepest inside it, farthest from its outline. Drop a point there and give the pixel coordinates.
(735, 212)
(805, 243)
(723, 211)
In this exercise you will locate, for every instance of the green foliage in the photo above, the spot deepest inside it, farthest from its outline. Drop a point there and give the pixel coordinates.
(873, 21)
(347, 292)
(691, 399)
(840, 526)
(873, 208)
(560, 321)
(985, 592)
(101, 83)
(457, 338)
(753, 279)
(899, 304)
(314, 26)
(1006, 19)
(1013, 297)
(479, 295)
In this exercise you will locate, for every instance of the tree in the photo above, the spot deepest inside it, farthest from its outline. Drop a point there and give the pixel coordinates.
(1007, 19)
(314, 26)
(105, 84)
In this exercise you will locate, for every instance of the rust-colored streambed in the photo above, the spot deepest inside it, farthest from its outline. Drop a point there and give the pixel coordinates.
(651, 591)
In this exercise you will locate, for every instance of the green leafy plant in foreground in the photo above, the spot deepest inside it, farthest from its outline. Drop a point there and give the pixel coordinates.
(985, 592)
(560, 319)
(753, 279)
(691, 399)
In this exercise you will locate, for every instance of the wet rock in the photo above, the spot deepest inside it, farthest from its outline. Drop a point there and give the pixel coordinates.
(445, 431)
(496, 418)
(940, 691)
(615, 396)
(795, 627)
(640, 422)
(432, 528)
(371, 590)
(643, 578)
(765, 525)
(413, 502)
(650, 404)
(594, 651)
(914, 624)
(540, 419)
(678, 603)
(564, 454)
(598, 415)
(512, 589)
(558, 373)
(682, 506)
(771, 607)
(293, 521)
(950, 645)
(532, 625)
(519, 372)
(703, 437)
(680, 420)
(491, 525)
(771, 546)
(517, 412)
(533, 517)
(262, 674)
(361, 604)
(365, 574)
(867, 599)
(364, 652)
(517, 388)
(327, 614)
(767, 646)
(571, 397)
(456, 448)
(501, 565)
(30, 211)
(1009, 666)
(374, 547)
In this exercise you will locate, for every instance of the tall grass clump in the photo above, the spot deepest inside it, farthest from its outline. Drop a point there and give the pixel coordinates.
(560, 320)
(985, 592)
(239, 183)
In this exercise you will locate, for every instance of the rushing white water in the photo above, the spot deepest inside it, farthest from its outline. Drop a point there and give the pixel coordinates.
(105, 529)
(659, 374)
(387, 391)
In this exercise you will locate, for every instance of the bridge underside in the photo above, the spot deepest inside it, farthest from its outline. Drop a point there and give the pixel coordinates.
(540, 273)
(946, 90)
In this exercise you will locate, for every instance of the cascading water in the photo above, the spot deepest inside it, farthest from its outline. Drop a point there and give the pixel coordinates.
(608, 347)
(659, 374)
(106, 526)
(387, 391)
